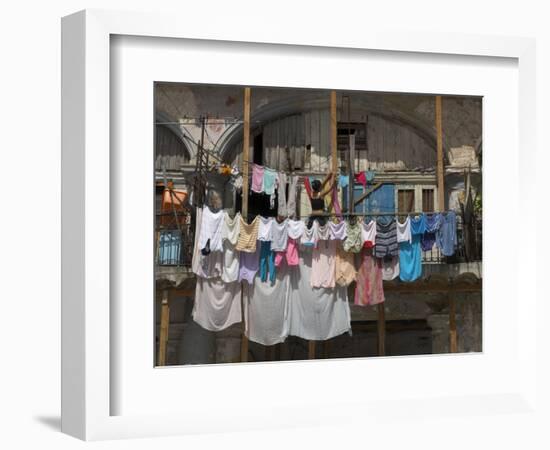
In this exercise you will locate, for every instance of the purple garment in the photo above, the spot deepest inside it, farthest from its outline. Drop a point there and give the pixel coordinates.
(249, 264)
(432, 225)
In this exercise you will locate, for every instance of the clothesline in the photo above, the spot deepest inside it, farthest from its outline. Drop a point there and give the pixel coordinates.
(356, 214)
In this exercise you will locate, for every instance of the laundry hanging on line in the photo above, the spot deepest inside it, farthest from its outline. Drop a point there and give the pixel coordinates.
(276, 259)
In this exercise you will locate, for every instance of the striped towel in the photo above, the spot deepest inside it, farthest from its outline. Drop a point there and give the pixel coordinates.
(386, 238)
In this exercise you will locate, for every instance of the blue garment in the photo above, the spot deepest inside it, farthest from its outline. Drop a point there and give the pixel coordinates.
(410, 259)
(343, 181)
(433, 223)
(446, 235)
(267, 261)
(270, 177)
(418, 224)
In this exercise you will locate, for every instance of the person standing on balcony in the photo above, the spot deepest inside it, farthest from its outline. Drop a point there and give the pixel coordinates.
(316, 191)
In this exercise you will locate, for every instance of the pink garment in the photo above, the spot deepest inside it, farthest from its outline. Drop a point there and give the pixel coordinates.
(369, 288)
(257, 178)
(323, 265)
(290, 254)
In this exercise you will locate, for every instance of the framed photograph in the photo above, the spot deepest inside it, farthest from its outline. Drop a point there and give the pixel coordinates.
(269, 231)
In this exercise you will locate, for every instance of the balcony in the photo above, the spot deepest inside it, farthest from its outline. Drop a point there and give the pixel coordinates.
(175, 234)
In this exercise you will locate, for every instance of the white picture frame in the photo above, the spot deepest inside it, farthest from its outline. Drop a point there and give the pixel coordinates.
(87, 355)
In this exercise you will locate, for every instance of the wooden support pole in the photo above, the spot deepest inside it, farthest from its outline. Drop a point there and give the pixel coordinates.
(278, 351)
(246, 149)
(244, 203)
(311, 350)
(351, 170)
(269, 352)
(381, 329)
(164, 327)
(453, 338)
(326, 349)
(440, 166)
(333, 132)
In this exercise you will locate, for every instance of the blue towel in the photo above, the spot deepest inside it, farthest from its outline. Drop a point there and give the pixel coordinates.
(410, 259)
(446, 235)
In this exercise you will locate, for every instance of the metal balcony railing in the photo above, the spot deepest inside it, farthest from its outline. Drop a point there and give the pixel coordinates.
(174, 239)
(174, 242)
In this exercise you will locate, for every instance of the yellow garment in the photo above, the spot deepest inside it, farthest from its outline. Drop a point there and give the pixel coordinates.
(248, 235)
(345, 267)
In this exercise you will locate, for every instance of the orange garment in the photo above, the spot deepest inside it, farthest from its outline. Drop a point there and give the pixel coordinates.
(172, 200)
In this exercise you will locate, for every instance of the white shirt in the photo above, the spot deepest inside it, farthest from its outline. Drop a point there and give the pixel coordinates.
(296, 228)
(404, 230)
(265, 229)
(337, 230)
(279, 235)
(368, 231)
(309, 236)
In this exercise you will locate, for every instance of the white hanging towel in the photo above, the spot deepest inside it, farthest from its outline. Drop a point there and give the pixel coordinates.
(390, 268)
(211, 229)
(217, 304)
(205, 266)
(266, 309)
(231, 228)
(316, 314)
(231, 261)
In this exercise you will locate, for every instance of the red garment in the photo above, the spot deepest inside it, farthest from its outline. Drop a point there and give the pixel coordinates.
(369, 289)
(361, 178)
(307, 185)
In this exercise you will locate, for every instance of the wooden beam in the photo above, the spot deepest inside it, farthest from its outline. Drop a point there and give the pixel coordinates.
(164, 326)
(453, 341)
(365, 194)
(440, 166)
(311, 350)
(381, 329)
(244, 202)
(333, 132)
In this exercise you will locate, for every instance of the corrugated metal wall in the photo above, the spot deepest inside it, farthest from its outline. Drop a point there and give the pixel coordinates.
(390, 145)
(170, 151)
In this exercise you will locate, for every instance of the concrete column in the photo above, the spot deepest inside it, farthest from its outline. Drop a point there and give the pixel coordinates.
(469, 325)
(439, 323)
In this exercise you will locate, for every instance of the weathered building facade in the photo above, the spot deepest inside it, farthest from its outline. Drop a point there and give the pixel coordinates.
(392, 135)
